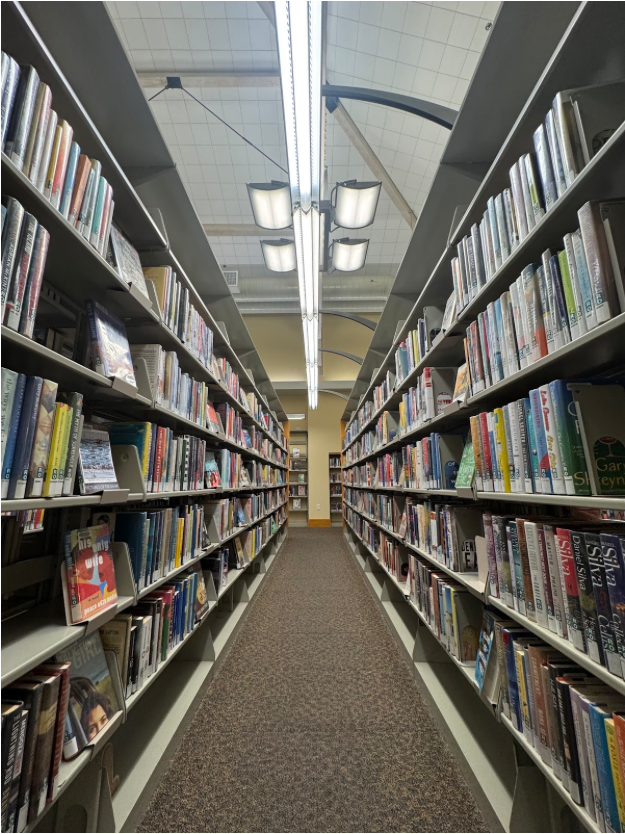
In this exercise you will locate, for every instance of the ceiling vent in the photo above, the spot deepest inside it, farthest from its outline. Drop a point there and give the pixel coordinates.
(232, 279)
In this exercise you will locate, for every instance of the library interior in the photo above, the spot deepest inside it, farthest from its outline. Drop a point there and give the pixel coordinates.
(313, 416)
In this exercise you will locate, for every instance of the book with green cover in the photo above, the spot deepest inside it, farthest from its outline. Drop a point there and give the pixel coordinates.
(466, 470)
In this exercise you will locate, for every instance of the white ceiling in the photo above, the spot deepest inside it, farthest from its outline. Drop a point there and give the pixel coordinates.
(429, 50)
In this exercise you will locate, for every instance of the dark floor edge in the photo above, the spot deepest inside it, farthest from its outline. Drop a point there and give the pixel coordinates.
(145, 797)
(490, 816)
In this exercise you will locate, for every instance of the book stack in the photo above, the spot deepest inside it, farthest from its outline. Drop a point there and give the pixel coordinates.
(169, 462)
(552, 303)
(382, 392)
(564, 439)
(179, 314)
(42, 146)
(446, 532)
(46, 716)
(40, 437)
(161, 540)
(574, 721)
(144, 636)
(24, 252)
(563, 146)
(565, 575)
(453, 614)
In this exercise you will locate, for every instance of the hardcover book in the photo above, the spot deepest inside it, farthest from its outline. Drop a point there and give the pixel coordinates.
(95, 462)
(109, 343)
(90, 572)
(93, 701)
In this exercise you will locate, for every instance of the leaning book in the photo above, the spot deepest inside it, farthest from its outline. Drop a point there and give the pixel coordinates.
(90, 572)
(95, 461)
(109, 344)
(92, 698)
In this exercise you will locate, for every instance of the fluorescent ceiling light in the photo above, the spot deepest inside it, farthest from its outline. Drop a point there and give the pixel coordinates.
(279, 255)
(295, 416)
(298, 29)
(271, 204)
(349, 255)
(356, 204)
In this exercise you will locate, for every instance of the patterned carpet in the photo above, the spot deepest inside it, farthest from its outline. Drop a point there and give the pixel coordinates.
(314, 721)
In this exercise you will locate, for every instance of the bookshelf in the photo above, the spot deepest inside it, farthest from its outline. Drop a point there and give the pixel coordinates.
(336, 488)
(374, 502)
(299, 483)
(154, 212)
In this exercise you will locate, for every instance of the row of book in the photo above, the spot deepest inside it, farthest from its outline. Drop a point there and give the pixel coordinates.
(575, 722)
(564, 144)
(52, 712)
(417, 343)
(42, 146)
(24, 253)
(451, 611)
(297, 490)
(552, 303)
(567, 576)
(564, 439)
(334, 461)
(40, 437)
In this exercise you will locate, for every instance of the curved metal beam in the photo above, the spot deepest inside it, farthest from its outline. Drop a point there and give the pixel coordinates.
(356, 359)
(358, 319)
(335, 393)
(438, 113)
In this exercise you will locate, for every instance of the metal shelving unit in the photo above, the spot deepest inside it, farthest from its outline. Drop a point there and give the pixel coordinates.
(336, 499)
(104, 113)
(298, 466)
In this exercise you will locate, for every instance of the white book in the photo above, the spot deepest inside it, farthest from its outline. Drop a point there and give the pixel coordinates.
(551, 435)
(580, 326)
(517, 454)
(583, 276)
(502, 229)
(560, 338)
(9, 384)
(555, 154)
(524, 320)
(494, 234)
(533, 557)
(530, 217)
(509, 448)
(512, 349)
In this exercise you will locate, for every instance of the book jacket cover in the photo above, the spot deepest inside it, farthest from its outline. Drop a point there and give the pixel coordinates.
(90, 571)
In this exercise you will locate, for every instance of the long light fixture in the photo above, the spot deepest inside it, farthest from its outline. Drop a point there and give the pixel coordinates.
(298, 28)
(355, 203)
(349, 254)
(279, 255)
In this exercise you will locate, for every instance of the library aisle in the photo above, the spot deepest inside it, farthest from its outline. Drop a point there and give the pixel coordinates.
(314, 721)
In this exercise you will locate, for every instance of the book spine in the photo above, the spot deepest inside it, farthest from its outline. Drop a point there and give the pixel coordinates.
(551, 436)
(477, 452)
(510, 215)
(502, 450)
(594, 559)
(518, 201)
(46, 152)
(492, 223)
(604, 769)
(98, 211)
(25, 437)
(516, 566)
(10, 245)
(532, 445)
(10, 85)
(559, 325)
(545, 169)
(37, 136)
(73, 448)
(534, 188)
(54, 458)
(502, 231)
(96, 350)
(617, 770)
(513, 472)
(526, 358)
(43, 435)
(11, 731)
(60, 167)
(17, 290)
(567, 137)
(70, 179)
(575, 623)
(586, 598)
(612, 549)
(536, 324)
(580, 316)
(83, 170)
(558, 406)
(599, 264)
(530, 217)
(526, 570)
(554, 153)
(541, 442)
(34, 281)
(53, 161)
(17, 151)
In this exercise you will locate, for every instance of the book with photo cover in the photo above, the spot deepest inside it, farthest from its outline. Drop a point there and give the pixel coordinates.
(211, 472)
(90, 572)
(297, 504)
(213, 419)
(109, 344)
(95, 462)
(127, 260)
(462, 383)
(92, 699)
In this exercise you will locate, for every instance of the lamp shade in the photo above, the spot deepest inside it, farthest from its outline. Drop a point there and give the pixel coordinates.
(279, 255)
(271, 204)
(356, 203)
(349, 255)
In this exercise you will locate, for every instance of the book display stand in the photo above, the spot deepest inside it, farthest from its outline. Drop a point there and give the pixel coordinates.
(508, 771)
(106, 786)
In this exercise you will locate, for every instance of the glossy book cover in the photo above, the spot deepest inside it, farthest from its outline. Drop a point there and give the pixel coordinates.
(90, 571)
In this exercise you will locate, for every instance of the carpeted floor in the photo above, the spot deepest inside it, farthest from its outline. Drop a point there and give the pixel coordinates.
(314, 721)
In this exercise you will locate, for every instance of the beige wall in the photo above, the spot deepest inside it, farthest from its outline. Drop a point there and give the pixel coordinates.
(279, 341)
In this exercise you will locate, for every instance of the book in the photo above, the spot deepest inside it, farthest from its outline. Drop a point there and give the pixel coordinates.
(602, 278)
(11, 233)
(25, 438)
(41, 772)
(211, 469)
(115, 636)
(127, 260)
(43, 437)
(90, 572)
(93, 701)
(109, 344)
(31, 694)
(21, 116)
(96, 471)
(74, 435)
(600, 413)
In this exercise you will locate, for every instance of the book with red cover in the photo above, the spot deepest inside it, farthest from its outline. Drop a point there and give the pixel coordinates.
(90, 571)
